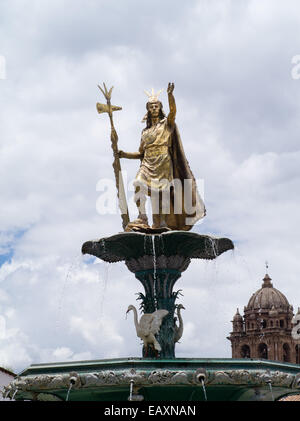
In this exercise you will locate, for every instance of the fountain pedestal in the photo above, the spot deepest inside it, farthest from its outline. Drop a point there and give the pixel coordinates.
(158, 262)
(159, 295)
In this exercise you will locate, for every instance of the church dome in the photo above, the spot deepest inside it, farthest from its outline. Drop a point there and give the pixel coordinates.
(268, 298)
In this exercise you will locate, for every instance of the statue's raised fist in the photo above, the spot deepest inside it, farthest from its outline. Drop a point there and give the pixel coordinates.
(170, 88)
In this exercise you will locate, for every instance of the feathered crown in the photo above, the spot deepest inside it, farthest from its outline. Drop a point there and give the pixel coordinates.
(153, 97)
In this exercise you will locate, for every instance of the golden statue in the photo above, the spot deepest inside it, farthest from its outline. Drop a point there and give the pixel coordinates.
(164, 174)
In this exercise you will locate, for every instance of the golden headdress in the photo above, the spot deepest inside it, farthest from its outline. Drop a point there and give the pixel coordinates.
(153, 97)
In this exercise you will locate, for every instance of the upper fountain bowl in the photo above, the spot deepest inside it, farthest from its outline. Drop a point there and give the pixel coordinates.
(132, 245)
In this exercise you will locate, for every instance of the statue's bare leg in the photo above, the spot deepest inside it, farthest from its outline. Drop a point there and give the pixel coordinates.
(163, 223)
(140, 200)
(157, 210)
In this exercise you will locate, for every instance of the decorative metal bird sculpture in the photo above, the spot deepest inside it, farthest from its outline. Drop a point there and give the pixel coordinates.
(148, 326)
(179, 329)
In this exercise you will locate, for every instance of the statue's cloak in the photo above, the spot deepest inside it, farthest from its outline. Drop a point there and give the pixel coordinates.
(192, 205)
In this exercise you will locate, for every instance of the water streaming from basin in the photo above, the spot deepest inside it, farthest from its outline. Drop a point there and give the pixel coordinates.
(213, 246)
(204, 389)
(5, 395)
(162, 242)
(75, 262)
(154, 269)
(271, 390)
(240, 260)
(14, 394)
(131, 390)
(104, 281)
(69, 390)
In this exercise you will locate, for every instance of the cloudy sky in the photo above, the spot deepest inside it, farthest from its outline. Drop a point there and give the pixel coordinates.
(239, 118)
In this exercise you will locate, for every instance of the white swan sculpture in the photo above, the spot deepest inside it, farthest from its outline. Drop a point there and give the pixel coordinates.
(179, 329)
(148, 326)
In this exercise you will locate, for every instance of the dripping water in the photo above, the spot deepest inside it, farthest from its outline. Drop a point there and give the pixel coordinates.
(5, 396)
(238, 256)
(213, 246)
(271, 390)
(204, 389)
(161, 239)
(103, 246)
(211, 250)
(69, 390)
(15, 392)
(74, 265)
(131, 390)
(104, 288)
(154, 268)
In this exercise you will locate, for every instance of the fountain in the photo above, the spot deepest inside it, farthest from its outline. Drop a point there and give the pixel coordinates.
(157, 256)
(158, 261)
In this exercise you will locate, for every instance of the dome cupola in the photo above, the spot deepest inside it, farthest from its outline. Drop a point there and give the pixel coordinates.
(237, 317)
(238, 323)
(268, 298)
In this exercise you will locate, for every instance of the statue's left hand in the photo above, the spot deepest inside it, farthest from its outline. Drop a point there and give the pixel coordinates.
(170, 88)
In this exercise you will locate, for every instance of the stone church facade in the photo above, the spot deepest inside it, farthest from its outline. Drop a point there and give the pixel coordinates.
(265, 330)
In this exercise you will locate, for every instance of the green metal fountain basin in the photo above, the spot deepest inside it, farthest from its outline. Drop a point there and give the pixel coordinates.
(132, 245)
(177, 379)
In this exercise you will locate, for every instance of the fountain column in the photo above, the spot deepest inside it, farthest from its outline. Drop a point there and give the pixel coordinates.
(159, 295)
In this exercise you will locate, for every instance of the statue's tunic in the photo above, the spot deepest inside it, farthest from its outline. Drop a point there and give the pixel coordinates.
(156, 170)
(164, 162)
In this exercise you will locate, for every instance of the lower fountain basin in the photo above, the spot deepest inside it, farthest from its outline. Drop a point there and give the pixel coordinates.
(177, 379)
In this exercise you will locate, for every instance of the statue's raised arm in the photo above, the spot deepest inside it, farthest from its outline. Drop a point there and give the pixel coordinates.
(172, 105)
